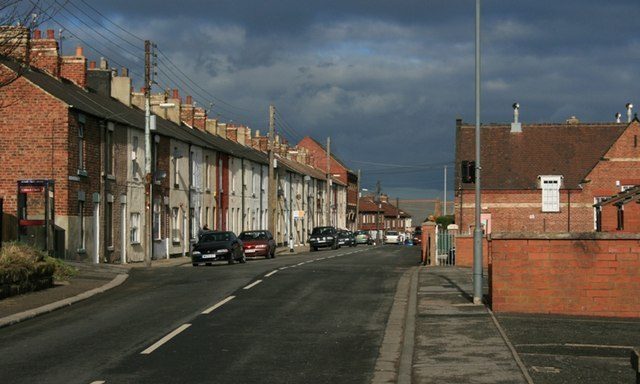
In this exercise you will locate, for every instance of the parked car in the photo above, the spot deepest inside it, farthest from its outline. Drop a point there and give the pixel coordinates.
(258, 243)
(417, 237)
(392, 237)
(347, 238)
(213, 246)
(363, 237)
(323, 237)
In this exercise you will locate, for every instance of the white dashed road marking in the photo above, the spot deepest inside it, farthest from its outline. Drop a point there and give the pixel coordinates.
(218, 305)
(271, 273)
(253, 284)
(168, 337)
(98, 382)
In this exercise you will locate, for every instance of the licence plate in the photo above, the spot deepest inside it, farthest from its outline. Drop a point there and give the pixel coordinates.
(249, 251)
(208, 256)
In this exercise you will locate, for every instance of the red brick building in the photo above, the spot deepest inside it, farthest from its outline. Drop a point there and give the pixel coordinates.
(381, 215)
(545, 177)
(340, 172)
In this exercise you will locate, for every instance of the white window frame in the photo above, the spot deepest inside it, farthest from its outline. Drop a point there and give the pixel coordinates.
(134, 229)
(550, 185)
(175, 230)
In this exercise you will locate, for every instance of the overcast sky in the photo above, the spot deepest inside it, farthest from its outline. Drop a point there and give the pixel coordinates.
(384, 79)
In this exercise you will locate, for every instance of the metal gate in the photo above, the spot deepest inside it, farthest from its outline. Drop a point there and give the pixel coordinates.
(445, 247)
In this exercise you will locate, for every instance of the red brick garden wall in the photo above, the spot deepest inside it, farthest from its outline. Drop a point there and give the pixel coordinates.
(464, 251)
(571, 274)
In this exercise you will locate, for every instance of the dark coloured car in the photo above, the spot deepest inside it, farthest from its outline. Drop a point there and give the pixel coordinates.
(417, 236)
(214, 246)
(323, 237)
(347, 238)
(258, 243)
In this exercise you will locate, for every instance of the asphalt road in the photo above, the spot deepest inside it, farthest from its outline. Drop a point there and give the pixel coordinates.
(310, 318)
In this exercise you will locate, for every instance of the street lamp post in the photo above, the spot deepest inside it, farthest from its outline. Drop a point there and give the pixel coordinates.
(477, 232)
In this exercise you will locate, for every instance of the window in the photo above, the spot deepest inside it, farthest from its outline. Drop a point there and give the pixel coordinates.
(206, 217)
(207, 173)
(81, 144)
(550, 193)
(175, 227)
(81, 222)
(134, 231)
(157, 220)
(135, 168)
(108, 154)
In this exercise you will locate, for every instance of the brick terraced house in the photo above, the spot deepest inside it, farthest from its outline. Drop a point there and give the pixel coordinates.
(82, 129)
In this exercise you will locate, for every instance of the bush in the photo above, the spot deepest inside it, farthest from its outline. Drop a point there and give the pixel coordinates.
(24, 268)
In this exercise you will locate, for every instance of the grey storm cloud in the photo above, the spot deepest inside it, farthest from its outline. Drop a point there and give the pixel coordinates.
(385, 79)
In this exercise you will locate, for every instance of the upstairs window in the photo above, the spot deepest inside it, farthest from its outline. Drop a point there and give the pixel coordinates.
(550, 186)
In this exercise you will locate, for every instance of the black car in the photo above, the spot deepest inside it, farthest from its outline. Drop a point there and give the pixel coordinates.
(214, 246)
(323, 237)
(347, 238)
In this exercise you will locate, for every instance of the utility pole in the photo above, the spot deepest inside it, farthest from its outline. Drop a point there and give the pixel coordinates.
(378, 205)
(445, 191)
(272, 203)
(477, 231)
(358, 203)
(147, 154)
(328, 203)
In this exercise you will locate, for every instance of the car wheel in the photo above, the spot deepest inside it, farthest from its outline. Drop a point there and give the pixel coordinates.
(273, 253)
(243, 259)
(232, 259)
(313, 249)
(195, 264)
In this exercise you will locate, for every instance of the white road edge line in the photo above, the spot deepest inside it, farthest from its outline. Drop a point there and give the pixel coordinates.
(218, 305)
(98, 382)
(168, 337)
(283, 268)
(271, 273)
(253, 284)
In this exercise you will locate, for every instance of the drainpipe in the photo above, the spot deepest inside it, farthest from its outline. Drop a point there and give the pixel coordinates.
(568, 210)
(189, 188)
(242, 194)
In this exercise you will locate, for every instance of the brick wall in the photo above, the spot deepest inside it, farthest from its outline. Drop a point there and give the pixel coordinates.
(33, 146)
(591, 274)
(464, 251)
(319, 159)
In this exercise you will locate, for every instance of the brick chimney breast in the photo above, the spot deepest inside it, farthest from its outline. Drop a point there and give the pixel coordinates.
(74, 68)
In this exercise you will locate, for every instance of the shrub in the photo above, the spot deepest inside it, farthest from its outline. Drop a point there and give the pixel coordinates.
(28, 267)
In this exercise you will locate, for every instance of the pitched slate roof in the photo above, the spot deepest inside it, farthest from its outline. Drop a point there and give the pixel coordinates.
(513, 161)
(368, 204)
(111, 109)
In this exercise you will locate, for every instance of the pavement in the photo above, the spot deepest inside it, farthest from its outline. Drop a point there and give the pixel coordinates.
(439, 335)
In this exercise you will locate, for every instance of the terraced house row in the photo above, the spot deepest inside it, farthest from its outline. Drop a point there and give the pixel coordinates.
(80, 129)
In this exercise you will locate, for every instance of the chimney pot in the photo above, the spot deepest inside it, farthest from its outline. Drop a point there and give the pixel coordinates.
(79, 51)
(125, 72)
(189, 100)
(175, 94)
(92, 65)
(142, 89)
(51, 34)
(37, 34)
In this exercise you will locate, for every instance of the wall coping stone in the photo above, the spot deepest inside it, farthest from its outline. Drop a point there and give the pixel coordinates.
(563, 236)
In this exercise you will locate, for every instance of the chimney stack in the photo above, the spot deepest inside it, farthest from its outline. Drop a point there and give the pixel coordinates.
(516, 127)
(187, 111)
(629, 107)
(121, 87)
(37, 34)
(51, 34)
(74, 68)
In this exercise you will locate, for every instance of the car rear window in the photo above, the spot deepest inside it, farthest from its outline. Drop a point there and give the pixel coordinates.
(322, 231)
(392, 233)
(247, 236)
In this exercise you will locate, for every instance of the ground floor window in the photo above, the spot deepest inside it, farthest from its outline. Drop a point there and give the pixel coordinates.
(134, 230)
(175, 225)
